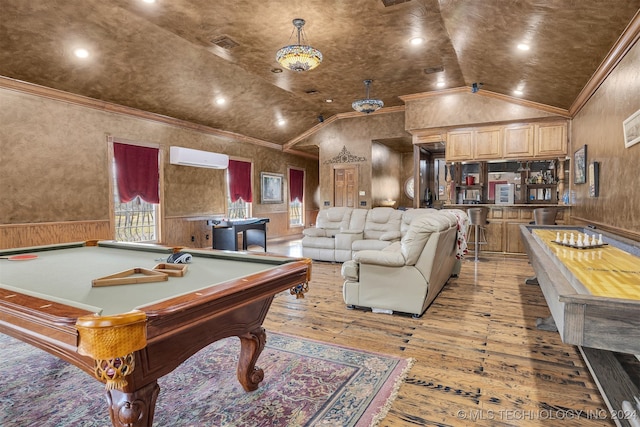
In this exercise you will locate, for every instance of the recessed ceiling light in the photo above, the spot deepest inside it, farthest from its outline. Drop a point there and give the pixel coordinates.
(440, 84)
(281, 122)
(276, 70)
(81, 53)
(416, 41)
(517, 92)
(328, 101)
(220, 100)
(523, 46)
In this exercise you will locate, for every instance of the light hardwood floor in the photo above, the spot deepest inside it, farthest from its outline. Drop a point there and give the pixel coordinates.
(480, 361)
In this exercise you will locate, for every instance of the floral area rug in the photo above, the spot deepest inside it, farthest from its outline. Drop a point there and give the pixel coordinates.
(306, 383)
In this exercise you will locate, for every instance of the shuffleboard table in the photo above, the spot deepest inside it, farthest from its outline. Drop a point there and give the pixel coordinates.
(593, 293)
(121, 313)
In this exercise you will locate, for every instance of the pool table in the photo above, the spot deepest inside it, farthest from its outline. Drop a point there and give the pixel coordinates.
(130, 334)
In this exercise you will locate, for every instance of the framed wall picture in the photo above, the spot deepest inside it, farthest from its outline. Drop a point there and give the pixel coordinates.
(271, 187)
(580, 165)
(504, 194)
(631, 128)
(594, 179)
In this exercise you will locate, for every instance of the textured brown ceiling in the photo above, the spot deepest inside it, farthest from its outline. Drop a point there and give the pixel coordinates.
(160, 57)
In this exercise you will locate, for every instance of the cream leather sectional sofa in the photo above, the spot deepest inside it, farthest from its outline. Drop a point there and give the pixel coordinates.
(406, 276)
(338, 228)
(392, 260)
(341, 232)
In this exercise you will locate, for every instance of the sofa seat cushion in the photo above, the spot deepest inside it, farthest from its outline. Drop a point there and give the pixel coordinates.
(314, 232)
(370, 244)
(318, 242)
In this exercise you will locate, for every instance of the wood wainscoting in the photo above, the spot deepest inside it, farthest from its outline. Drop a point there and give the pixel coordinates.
(46, 233)
(178, 231)
(193, 231)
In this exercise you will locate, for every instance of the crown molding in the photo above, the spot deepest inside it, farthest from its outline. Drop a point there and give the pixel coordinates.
(301, 153)
(488, 94)
(434, 94)
(340, 116)
(84, 101)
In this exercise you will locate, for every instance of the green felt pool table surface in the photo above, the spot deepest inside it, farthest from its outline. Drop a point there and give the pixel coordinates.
(66, 273)
(50, 302)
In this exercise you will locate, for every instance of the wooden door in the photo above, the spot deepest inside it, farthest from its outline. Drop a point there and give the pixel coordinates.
(345, 185)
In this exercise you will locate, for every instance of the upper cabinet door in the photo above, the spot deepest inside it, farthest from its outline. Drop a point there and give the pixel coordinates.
(551, 139)
(488, 143)
(459, 145)
(518, 141)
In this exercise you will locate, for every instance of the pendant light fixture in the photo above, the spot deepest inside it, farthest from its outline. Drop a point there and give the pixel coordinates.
(299, 57)
(367, 105)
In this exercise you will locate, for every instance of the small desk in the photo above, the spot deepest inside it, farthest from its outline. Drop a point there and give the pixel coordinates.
(225, 233)
(222, 294)
(594, 299)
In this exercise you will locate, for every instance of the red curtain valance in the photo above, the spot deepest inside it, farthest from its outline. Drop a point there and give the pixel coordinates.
(296, 184)
(137, 172)
(240, 181)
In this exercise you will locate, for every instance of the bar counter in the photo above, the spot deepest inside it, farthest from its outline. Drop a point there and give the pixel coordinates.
(503, 229)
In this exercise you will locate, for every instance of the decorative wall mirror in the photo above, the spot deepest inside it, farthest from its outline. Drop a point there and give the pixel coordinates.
(409, 187)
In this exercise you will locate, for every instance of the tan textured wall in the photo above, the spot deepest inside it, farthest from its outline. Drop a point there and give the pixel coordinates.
(599, 126)
(386, 173)
(462, 109)
(54, 164)
(356, 135)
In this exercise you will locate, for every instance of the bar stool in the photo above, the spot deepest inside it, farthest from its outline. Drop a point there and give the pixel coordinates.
(478, 218)
(545, 216)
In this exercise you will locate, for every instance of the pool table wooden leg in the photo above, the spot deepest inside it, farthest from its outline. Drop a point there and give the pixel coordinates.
(133, 409)
(251, 346)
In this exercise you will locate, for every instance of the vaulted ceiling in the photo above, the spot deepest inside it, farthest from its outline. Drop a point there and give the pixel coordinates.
(176, 57)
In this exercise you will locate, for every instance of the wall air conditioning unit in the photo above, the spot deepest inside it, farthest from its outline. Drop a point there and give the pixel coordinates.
(197, 158)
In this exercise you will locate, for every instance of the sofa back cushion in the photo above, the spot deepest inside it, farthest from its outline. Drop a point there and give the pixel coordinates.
(410, 214)
(333, 219)
(380, 221)
(419, 233)
(356, 222)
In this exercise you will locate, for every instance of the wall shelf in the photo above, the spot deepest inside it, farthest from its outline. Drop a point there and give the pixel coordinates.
(541, 193)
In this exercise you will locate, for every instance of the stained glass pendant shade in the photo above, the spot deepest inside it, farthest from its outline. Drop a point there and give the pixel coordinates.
(299, 57)
(367, 105)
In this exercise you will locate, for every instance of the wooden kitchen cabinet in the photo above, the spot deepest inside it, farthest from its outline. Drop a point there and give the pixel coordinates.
(551, 139)
(459, 145)
(518, 142)
(488, 143)
(522, 141)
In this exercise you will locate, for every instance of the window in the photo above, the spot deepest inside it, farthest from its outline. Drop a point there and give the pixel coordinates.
(296, 197)
(239, 193)
(135, 171)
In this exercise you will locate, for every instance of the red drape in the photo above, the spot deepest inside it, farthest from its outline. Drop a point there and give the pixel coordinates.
(137, 172)
(296, 184)
(240, 181)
